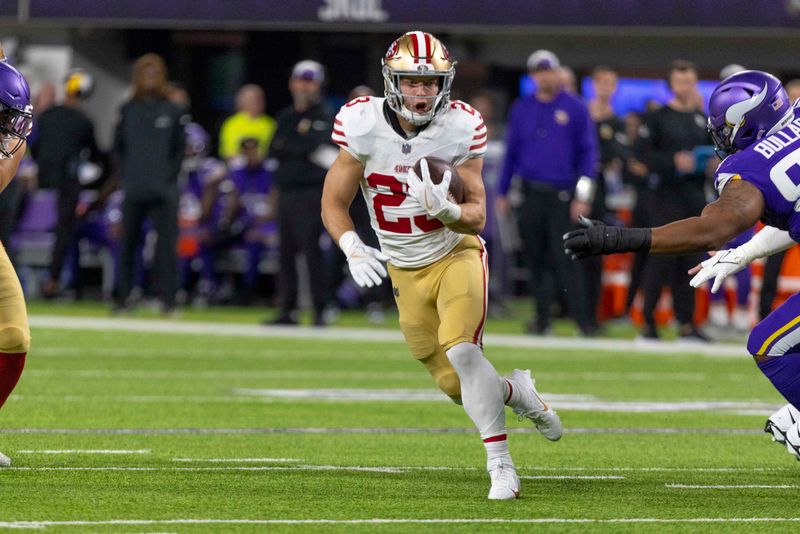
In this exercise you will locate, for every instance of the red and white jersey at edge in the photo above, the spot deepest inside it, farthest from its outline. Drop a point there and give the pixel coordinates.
(406, 233)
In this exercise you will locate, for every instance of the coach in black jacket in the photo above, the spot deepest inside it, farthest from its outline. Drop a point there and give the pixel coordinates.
(149, 148)
(302, 151)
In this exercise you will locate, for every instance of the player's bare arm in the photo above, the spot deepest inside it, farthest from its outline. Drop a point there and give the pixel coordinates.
(8, 167)
(738, 208)
(473, 209)
(341, 186)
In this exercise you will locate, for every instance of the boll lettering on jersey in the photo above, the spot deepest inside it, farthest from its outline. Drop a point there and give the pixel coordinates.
(779, 140)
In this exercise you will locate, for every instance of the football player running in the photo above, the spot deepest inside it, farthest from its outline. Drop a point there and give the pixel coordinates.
(16, 116)
(756, 129)
(436, 261)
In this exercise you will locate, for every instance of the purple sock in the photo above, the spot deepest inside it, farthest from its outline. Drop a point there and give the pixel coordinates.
(784, 373)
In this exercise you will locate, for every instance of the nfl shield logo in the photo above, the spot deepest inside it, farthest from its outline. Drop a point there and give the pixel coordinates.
(406, 148)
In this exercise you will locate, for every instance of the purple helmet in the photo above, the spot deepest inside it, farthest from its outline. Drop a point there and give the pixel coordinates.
(746, 107)
(16, 112)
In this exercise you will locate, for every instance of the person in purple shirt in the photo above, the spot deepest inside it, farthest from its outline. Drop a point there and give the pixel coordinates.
(256, 200)
(237, 211)
(754, 124)
(551, 146)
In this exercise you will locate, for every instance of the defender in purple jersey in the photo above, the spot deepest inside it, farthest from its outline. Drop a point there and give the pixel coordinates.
(757, 129)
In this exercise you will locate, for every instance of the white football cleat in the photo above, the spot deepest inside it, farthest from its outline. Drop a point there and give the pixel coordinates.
(533, 406)
(793, 440)
(505, 482)
(781, 421)
(5, 461)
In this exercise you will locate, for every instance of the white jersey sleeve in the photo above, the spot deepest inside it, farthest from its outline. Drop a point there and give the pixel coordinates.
(470, 131)
(352, 126)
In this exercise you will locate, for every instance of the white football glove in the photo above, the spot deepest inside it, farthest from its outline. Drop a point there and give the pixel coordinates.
(433, 197)
(364, 262)
(720, 266)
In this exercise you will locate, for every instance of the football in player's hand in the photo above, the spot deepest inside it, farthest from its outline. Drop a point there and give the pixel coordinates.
(437, 166)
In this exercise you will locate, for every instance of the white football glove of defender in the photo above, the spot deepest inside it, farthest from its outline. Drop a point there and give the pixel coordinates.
(433, 197)
(723, 264)
(767, 242)
(364, 262)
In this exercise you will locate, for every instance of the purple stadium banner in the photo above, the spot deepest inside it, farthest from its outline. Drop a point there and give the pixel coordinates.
(368, 14)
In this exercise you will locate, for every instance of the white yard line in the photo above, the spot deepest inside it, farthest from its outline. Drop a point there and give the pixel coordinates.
(407, 468)
(235, 460)
(366, 335)
(350, 430)
(221, 468)
(585, 403)
(85, 451)
(571, 477)
(156, 374)
(543, 520)
(728, 487)
(663, 469)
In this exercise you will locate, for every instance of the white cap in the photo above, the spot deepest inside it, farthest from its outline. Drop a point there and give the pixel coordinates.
(542, 60)
(309, 70)
(730, 70)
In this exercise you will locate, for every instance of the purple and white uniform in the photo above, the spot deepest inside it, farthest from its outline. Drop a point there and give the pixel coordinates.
(773, 166)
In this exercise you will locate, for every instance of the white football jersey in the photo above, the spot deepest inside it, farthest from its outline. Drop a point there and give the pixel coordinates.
(406, 233)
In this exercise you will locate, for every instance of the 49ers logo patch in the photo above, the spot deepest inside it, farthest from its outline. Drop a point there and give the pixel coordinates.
(393, 49)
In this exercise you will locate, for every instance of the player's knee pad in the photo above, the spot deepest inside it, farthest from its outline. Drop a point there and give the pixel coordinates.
(420, 339)
(445, 376)
(14, 339)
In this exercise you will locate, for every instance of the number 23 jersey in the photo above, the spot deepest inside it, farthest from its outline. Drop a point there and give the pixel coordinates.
(406, 233)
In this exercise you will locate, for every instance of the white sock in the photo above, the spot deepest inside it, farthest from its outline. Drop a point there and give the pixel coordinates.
(482, 393)
(497, 447)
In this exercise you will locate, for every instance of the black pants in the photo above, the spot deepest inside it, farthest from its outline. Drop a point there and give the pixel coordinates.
(69, 190)
(543, 219)
(300, 227)
(669, 270)
(769, 285)
(163, 212)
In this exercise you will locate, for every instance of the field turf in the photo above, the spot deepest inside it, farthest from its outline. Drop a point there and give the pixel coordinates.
(134, 431)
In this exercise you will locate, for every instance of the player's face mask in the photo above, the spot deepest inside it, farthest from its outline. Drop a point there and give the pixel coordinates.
(14, 128)
(420, 94)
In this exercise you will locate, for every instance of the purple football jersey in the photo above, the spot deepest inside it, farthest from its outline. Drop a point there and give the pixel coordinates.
(773, 166)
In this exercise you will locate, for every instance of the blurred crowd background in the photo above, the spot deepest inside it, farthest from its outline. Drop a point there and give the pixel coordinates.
(179, 151)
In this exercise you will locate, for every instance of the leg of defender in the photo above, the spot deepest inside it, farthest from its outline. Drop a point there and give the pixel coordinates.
(775, 345)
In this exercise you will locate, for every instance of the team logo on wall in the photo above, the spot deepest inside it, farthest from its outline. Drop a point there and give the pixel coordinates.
(406, 148)
(561, 117)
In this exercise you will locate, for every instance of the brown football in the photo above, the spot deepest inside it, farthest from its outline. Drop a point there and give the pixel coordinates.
(437, 166)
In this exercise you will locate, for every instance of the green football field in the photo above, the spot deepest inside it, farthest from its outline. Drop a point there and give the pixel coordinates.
(144, 425)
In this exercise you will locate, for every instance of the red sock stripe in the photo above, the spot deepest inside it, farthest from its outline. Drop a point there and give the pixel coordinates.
(501, 437)
(510, 391)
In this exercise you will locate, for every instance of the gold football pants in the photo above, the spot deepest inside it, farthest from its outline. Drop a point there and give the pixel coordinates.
(15, 336)
(441, 305)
